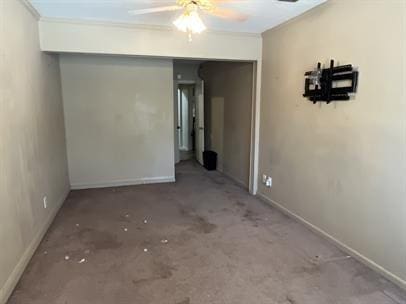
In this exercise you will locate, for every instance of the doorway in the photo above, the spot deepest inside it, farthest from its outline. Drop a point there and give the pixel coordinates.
(229, 98)
(223, 122)
(186, 127)
(190, 120)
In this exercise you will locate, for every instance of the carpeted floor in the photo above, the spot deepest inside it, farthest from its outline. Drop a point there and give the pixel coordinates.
(223, 246)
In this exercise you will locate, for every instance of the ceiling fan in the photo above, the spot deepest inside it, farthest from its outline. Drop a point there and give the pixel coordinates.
(189, 21)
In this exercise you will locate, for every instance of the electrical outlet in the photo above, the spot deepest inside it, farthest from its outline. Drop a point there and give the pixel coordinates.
(45, 200)
(264, 177)
(268, 182)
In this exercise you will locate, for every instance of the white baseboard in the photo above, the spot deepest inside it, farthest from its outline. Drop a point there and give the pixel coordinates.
(125, 182)
(355, 254)
(18, 270)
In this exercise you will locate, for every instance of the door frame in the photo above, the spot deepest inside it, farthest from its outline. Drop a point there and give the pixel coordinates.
(176, 84)
(200, 130)
(255, 118)
(255, 124)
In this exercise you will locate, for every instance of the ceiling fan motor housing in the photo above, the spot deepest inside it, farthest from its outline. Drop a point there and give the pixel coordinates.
(201, 4)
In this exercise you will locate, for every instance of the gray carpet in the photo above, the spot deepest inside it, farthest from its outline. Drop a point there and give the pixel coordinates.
(223, 246)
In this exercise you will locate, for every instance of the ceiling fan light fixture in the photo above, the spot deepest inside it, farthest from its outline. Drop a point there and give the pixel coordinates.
(190, 22)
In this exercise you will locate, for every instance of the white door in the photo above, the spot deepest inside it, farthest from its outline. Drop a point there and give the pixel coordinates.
(200, 121)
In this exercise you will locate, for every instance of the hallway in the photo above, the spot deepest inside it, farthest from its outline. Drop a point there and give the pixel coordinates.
(200, 240)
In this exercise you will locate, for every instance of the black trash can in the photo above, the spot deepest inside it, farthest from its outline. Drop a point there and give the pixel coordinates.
(210, 160)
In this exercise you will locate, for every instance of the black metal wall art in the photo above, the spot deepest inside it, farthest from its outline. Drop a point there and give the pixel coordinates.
(327, 84)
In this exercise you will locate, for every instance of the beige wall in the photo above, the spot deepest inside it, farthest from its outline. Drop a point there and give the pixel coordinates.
(232, 82)
(341, 167)
(89, 37)
(187, 70)
(32, 141)
(119, 120)
(76, 36)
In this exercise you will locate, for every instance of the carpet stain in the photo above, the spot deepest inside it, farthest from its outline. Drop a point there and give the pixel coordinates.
(252, 217)
(199, 224)
(185, 301)
(202, 225)
(290, 300)
(240, 204)
(98, 240)
(161, 271)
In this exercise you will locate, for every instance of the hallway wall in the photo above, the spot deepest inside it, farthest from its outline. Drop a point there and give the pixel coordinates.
(341, 167)
(32, 142)
(231, 82)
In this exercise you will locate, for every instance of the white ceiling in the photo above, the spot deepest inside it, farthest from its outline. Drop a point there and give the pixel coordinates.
(263, 14)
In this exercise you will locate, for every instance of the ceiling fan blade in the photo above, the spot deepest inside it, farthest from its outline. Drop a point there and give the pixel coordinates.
(228, 14)
(155, 10)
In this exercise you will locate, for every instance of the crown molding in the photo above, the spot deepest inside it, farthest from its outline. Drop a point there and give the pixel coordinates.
(31, 9)
(134, 26)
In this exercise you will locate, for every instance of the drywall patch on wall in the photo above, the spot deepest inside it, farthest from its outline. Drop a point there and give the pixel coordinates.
(337, 166)
(32, 141)
(119, 119)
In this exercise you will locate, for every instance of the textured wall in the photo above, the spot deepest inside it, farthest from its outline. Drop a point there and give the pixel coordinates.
(32, 141)
(341, 166)
(119, 120)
